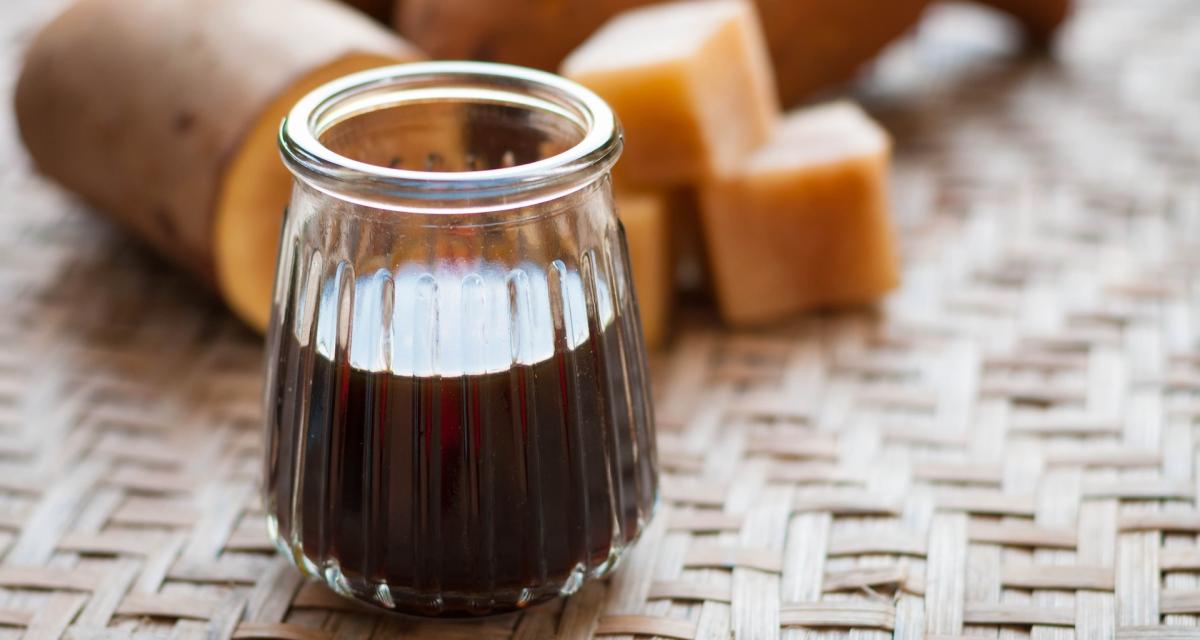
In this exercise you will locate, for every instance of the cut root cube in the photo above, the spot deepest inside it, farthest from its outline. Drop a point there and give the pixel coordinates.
(805, 223)
(691, 83)
(646, 218)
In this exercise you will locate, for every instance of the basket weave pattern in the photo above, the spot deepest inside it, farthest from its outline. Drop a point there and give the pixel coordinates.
(1007, 447)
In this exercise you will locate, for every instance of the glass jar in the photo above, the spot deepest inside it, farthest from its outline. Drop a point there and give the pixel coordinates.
(459, 419)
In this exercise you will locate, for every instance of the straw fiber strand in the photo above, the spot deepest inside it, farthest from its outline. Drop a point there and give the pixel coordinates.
(1005, 448)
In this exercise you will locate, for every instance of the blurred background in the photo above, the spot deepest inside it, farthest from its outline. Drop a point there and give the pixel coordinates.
(1045, 189)
(1018, 90)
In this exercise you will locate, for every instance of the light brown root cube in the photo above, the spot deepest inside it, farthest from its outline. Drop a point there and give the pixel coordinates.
(691, 83)
(805, 223)
(646, 218)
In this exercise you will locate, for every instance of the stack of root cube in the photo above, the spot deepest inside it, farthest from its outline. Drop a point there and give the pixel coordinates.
(793, 207)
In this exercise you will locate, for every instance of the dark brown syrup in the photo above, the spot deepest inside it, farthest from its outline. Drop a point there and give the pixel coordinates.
(463, 494)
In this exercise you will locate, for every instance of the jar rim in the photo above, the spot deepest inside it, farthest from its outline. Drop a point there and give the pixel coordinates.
(377, 186)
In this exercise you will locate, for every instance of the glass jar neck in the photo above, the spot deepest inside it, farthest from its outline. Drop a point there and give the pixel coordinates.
(450, 138)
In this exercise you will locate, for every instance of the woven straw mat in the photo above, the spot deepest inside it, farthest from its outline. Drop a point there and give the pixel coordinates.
(1006, 447)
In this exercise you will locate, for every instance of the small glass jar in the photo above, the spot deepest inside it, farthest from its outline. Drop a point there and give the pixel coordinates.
(459, 419)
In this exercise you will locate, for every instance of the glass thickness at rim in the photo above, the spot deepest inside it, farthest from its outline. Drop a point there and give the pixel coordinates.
(449, 192)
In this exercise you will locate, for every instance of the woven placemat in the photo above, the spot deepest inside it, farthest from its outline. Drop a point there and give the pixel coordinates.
(1005, 448)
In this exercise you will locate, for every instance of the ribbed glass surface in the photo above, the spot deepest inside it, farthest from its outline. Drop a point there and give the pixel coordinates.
(459, 420)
